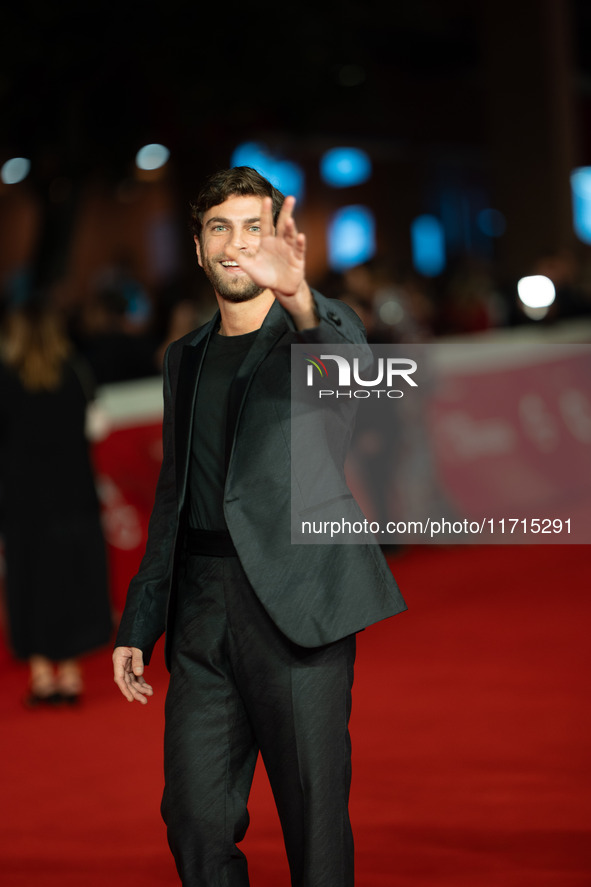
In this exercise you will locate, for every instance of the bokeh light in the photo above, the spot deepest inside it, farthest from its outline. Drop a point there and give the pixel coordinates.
(152, 156)
(15, 170)
(491, 222)
(344, 167)
(536, 294)
(428, 245)
(351, 237)
(580, 183)
(285, 175)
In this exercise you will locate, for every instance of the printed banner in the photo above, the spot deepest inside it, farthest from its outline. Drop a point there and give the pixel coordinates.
(441, 443)
(127, 464)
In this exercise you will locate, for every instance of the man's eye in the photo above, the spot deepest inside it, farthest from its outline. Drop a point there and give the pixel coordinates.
(255, 229)
(219, 227)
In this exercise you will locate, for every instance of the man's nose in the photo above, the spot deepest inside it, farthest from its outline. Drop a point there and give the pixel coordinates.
(238, 239)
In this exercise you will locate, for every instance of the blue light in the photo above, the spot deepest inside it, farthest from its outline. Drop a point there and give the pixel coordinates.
(428, 245)
(152, 156)
(250, 154)
(580, 183)
(288, 177)
(344, 167)
(15, 170)
(491, 222)
(285, 175)
(351, 237)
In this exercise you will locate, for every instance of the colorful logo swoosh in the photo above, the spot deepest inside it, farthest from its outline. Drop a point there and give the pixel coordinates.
(316, 362)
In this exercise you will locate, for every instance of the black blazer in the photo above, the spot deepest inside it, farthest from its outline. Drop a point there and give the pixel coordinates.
(315, 594)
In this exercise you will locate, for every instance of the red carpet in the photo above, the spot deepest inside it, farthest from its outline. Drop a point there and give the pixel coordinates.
(471, 732)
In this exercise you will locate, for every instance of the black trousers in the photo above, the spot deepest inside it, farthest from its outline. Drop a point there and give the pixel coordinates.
(239, 686)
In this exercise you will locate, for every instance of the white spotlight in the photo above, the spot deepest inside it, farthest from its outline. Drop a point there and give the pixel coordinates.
(15, 170)
(536, 294)
(151, 156)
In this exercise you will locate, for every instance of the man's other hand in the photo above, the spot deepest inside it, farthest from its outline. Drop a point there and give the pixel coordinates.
(128, 674)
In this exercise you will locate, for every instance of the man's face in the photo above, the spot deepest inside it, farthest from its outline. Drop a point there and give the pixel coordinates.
(234, 222)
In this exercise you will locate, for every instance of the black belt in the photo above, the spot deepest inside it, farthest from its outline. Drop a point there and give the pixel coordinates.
(213, 543)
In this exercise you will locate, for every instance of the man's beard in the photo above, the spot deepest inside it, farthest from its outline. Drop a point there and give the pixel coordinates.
(231, 289)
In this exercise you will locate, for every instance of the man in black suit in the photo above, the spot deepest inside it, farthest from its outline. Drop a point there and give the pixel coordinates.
(260, 633)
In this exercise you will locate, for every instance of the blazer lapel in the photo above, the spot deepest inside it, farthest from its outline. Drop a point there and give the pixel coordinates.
(189, 371)
(274, 326)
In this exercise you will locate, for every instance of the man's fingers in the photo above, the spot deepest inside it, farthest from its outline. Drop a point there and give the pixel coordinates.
(300, 246)
(140, 691)
(137, 661)
(136, 688)
(124, 687)
(128, 665)
(285, 223)
(121, 678)
(267, 217)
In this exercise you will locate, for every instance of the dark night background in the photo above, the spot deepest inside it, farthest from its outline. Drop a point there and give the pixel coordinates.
(461, 106)
(472, 723)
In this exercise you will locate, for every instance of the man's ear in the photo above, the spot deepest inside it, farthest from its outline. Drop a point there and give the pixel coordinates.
(198, 249)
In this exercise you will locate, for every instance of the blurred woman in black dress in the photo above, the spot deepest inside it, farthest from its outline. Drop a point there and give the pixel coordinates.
(56, 575)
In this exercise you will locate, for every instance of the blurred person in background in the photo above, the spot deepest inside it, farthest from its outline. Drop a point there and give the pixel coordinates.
(115, 350)
(562, 267)
(56, 574)
(394, 304)
(179, 307)
(469, 301)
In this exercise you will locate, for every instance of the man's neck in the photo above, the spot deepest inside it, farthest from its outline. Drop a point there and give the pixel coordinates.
(238, 318)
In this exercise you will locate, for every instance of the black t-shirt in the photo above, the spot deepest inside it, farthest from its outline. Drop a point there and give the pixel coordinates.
(207, 472)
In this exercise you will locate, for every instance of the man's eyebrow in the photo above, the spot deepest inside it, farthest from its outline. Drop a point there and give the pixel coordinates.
(219, 220)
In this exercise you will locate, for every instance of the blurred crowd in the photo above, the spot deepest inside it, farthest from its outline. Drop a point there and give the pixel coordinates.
(55, 351)
(122, 327)
(398, 305)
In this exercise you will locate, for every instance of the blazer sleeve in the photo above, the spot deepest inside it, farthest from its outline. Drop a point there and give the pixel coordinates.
(144, 616)
(338, 324)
